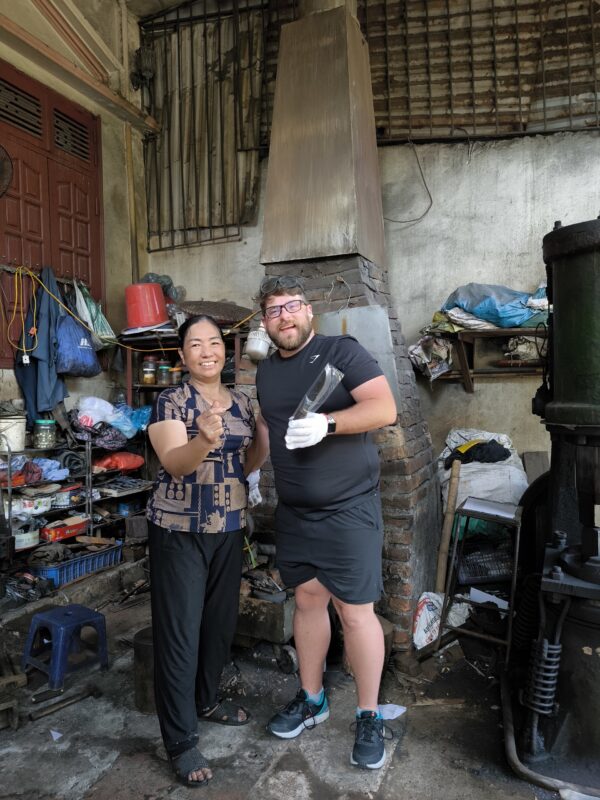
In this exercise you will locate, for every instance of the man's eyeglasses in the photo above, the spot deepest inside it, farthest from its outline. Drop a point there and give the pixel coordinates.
(292, 307)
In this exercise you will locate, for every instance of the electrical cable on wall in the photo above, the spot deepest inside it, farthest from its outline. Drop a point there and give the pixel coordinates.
(428, 209)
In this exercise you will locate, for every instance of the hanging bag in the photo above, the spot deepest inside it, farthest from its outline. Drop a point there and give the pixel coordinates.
(90, 312)
(75, 354)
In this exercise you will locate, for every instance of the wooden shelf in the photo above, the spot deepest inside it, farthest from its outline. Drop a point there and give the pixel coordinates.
(464, 346)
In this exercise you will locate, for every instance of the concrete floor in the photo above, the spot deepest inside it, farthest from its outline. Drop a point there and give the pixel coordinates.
(448, 744)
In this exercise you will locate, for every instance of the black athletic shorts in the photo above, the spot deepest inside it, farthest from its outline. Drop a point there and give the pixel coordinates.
(342, 550)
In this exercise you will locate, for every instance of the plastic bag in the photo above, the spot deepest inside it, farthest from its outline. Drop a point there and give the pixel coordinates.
(321, 388)
(83, 313)
(499, 305)
(74, 352)
(91, 314)
(426, 623)
(94, 409)
(121, 460)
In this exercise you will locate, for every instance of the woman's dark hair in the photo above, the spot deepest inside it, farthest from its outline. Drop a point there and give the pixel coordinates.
(185, 326)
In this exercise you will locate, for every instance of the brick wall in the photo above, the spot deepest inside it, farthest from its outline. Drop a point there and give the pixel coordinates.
(409, 489)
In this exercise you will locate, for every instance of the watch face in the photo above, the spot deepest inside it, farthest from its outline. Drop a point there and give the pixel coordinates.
(330, 425)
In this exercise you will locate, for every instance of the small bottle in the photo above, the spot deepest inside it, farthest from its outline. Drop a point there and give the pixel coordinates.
(44, 433)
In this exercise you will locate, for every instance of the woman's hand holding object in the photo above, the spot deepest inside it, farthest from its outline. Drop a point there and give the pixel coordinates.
(210, 424)
(306, 432)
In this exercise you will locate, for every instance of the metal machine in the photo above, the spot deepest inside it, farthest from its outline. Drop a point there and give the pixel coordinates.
(551, 698)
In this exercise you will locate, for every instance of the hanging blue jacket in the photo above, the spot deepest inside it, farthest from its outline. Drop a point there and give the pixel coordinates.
(41, 385)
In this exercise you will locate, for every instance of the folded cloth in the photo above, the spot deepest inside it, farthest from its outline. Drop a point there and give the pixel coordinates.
(487, 452)
(51, 469)
(49, 554)
(32, 473)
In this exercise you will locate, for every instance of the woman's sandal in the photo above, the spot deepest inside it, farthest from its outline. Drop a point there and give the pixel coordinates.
(225, 712)
(187, 762)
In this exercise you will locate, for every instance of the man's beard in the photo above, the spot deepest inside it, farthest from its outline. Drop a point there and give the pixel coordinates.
(301, 334)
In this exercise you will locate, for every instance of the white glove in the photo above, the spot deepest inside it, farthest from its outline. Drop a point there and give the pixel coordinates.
(306, 432)
(254, 495)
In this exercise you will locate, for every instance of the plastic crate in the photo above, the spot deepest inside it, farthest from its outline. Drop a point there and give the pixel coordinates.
(77, 567)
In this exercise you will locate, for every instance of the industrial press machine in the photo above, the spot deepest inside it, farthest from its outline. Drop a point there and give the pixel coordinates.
(552, 692)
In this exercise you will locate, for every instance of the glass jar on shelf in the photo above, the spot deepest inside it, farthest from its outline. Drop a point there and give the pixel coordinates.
(44, 433)
(149, 370)
(163, 373)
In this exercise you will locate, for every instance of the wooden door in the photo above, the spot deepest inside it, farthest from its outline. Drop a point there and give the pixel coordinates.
(74, 217)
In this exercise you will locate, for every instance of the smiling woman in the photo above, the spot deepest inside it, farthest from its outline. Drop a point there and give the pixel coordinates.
(203, 434)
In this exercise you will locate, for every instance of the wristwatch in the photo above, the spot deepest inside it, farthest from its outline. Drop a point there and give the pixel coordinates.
(330, 424)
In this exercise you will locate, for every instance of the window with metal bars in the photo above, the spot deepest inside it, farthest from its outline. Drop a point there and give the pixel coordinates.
(202, 169)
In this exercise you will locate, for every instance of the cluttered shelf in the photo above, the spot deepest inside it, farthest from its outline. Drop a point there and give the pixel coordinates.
(494, 353)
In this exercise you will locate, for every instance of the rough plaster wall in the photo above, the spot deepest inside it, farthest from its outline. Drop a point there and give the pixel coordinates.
(492, 205)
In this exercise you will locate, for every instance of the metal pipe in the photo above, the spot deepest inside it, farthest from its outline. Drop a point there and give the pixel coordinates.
(512, 757)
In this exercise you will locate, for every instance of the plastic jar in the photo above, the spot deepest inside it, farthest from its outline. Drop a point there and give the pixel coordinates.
(44, 433)
(149, 370)
(176, 375)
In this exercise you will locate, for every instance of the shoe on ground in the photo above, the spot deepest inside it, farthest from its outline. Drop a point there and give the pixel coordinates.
(369, 751)
(297, 715)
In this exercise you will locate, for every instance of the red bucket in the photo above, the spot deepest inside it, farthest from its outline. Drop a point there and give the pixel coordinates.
(145, 304)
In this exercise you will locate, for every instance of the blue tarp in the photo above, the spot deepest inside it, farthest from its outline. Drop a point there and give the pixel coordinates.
(503, 307)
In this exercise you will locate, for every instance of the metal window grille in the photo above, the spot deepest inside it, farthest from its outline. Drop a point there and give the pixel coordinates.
(441, 70)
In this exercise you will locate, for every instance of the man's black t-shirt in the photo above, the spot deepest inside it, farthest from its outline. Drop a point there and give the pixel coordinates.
(317, 480)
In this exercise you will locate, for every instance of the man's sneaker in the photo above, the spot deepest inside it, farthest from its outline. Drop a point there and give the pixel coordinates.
(368, 751)
(298, 715)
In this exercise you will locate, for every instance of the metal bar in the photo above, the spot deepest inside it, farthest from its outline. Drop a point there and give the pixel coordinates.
(167, 98)
(208, 148)
(543, 60)
(472, 56)
(569, 76)
(594, 65)
(387, 67)
(429, 84)
(450, 75)
(493, 10)
(518, 49)
(180, 115)
(147, 23)
(194, 132)
(407, 63)
(220, 82)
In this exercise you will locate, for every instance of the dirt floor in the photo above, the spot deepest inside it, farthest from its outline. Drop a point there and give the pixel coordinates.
(448, 744)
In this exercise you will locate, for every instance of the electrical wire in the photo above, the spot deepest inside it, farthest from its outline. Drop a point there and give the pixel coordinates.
(428, 209)
(21, 270)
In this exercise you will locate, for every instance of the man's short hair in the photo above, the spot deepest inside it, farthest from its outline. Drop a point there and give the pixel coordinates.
(272, 285)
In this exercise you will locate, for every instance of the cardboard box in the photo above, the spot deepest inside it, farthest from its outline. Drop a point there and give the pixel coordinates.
(64, 529)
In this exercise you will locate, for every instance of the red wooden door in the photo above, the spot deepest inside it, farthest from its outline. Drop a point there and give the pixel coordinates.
(24, 237)
(74, 217)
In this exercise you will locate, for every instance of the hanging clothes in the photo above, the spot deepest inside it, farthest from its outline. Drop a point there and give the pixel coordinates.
(41, 385)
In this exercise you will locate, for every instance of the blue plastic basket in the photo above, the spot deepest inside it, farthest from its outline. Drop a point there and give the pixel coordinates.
(77, 567)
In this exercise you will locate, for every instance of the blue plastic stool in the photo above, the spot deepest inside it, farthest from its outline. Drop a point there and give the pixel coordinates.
(63, 626)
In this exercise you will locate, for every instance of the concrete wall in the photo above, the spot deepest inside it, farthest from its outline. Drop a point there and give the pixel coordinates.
(492, 204)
